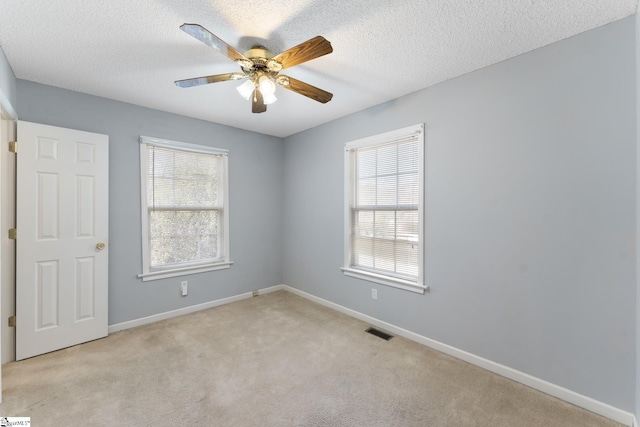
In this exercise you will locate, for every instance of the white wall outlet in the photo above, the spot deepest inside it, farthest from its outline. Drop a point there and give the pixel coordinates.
(183, 288)
(374, 293)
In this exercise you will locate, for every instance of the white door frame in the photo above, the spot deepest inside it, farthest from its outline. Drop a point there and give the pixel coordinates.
(7, 247)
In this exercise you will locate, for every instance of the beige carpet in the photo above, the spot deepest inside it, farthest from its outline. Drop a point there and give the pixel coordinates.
(274, 360)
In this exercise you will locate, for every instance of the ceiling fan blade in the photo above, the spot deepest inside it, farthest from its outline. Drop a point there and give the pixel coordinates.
(257, 104)
(208, 38)
(197, 81)
(307, 90)
(311, 49)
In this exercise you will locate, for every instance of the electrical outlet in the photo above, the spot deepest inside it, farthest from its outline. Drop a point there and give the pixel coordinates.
(374, 293)
(183, 288)
(256, 293)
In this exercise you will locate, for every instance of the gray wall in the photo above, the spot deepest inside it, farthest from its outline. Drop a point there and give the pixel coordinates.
(530, 213)
(7, 84)
(255, 179)
(637, 335)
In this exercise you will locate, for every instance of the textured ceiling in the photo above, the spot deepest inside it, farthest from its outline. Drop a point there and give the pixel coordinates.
(133, 50)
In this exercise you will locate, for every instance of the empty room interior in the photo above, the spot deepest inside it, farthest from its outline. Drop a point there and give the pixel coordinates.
(320, 213)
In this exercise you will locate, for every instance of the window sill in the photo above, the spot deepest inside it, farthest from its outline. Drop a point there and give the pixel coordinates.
(163, 274)
(385, 280)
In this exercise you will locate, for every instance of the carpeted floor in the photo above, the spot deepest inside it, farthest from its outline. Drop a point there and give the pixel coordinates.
(274, 360)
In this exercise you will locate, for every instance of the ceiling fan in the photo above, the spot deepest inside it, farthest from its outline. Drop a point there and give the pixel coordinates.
(262, 68)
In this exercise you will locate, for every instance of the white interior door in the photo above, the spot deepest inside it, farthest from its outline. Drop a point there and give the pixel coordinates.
(62, 231)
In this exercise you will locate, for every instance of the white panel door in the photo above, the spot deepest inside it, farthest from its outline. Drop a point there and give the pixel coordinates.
(62, 224)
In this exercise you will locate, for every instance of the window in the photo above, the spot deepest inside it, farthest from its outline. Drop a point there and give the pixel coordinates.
(184, 208)
(384, 212)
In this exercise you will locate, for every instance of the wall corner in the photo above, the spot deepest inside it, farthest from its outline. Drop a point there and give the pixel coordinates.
(637, 195)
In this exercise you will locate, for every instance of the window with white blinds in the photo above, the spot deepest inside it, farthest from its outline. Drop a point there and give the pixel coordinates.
(184, 208)
(384, 208)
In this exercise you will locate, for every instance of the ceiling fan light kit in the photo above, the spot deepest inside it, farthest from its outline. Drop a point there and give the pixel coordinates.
(246, 89)
(266, 85)
(260, 67)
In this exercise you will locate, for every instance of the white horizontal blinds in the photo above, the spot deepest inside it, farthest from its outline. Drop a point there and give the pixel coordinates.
(385, 217)
(184, 206)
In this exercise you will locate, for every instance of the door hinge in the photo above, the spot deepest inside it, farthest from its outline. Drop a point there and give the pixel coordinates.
(13, 233)
(13, 146)
(12, 321)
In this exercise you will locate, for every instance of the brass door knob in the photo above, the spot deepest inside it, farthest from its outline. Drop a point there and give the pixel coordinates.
(100, 246)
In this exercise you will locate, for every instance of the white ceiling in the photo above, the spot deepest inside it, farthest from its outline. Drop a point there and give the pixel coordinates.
(133, 50)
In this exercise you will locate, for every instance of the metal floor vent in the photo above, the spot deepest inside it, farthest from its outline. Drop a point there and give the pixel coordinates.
(385, 336)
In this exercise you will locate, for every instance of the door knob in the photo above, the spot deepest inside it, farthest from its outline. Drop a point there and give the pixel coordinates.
(100, 246)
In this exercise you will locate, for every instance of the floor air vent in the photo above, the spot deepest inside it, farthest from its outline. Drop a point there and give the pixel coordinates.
(385, 336)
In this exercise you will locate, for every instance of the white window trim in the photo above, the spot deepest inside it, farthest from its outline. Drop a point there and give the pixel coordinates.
(148, 274)
(419, 285)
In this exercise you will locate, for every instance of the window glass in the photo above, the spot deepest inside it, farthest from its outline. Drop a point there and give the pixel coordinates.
(185, 215)
(384, 209)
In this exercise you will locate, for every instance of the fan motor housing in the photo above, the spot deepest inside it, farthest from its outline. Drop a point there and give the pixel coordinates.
(258, 52)
(260, 59)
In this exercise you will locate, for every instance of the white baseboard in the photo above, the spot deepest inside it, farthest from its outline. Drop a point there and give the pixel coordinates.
(186, 310)
(562, 393)
(635, 420)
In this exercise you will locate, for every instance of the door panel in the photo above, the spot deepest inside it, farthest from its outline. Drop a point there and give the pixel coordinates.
(62, 217)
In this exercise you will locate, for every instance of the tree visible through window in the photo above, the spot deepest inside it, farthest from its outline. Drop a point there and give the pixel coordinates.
(185, 209)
